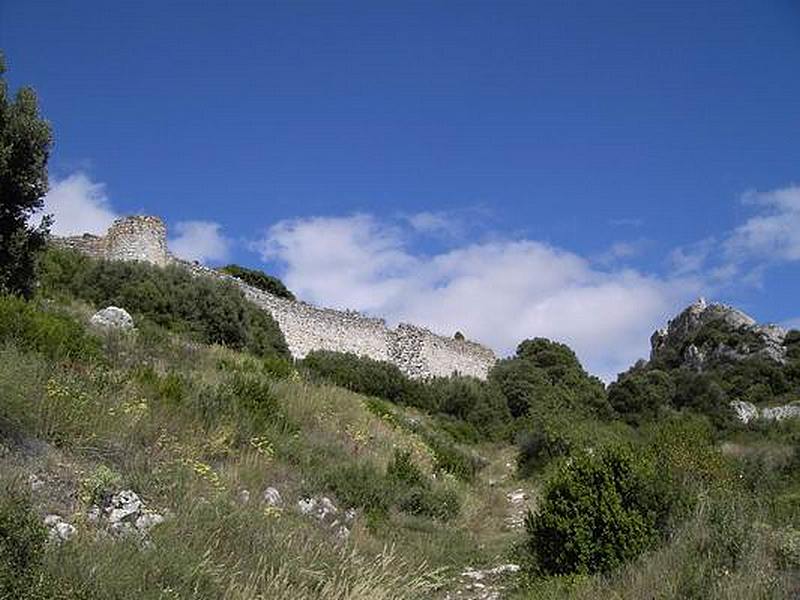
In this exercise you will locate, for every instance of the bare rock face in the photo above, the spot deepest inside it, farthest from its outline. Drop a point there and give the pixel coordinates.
(747, 411)
(704, 333)
(112, 317)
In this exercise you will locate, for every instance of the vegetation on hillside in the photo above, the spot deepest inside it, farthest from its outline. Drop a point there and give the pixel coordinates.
(206, 309)
(260, 280)
(635, 490)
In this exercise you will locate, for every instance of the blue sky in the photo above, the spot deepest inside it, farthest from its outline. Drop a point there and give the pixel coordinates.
(572, 169)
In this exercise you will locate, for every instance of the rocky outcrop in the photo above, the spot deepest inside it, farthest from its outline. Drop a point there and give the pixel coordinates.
(705, 334)
(747, 411)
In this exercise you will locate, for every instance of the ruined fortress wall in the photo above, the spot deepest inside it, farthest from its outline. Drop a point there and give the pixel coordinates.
(138, 238)
(422, 353)
(131, 238)
(416, 351)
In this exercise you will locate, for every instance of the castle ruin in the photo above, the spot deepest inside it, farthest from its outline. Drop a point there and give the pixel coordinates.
(418, 352)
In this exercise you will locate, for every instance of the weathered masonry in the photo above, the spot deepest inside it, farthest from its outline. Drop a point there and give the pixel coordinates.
(418, 352)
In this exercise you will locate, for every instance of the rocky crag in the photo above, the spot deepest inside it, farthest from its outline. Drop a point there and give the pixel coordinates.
(706, 334)
(418, 352)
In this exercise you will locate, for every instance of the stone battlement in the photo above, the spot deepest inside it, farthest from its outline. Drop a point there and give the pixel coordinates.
(418, 352)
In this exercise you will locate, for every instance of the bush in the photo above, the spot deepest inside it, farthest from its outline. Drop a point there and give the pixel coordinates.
(259, 280)
(22, 544)
(361, 485)
(600, 510)
(56, 336)
(641, 395)
(207, 309)
(548, 372)
(478, 403)
(426, 501)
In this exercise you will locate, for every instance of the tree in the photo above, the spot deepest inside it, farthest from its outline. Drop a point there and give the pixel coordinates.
(599, 511)
(25, 141)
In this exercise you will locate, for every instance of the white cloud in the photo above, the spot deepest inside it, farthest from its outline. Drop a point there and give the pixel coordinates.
(202, 241)
(435, 223)
(691, 258)
(78, 205)
(499, 292)
(772, 235)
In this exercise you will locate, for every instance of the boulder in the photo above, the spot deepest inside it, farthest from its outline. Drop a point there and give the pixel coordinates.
(58, 529)
(112, 317)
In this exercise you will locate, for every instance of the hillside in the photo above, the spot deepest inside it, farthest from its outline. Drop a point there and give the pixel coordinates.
(190, 457)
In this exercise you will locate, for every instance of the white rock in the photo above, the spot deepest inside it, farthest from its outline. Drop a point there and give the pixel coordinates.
(35, 483)
(112, 317)
(123, 506)
(306, 505)
(272, 497)
(745, 411)
(517, 496)
(148, 520)
(60, 530)
(244, 496)
(326, 507)
(93, 514)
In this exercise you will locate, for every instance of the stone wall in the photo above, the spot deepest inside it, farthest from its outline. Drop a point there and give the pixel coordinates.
(138, 238)
(131, 238)
(416, 351)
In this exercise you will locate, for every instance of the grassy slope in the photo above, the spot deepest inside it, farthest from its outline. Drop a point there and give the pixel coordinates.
(157, 411)
(150, 411)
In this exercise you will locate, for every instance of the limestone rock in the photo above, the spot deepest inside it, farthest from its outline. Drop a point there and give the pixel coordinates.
(35, 482)
(777, 413)
(123, 506)
(272, 497)
(127, 514)
(746, 411)
(59, 530)
(678, 337)
(112, 317)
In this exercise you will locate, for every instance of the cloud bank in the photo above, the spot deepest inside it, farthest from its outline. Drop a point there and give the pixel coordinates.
(202, 241)
(78, 205)
(498, 292)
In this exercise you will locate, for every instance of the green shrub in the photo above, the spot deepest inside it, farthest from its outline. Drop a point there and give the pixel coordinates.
(475, 402)
(99, 485)
(641, 395)
(207, 309)
(22, 546)
(427, 501)
(361, 485)
(402, 469)
(548, 372)
(54, 335)
(260, 280)
(599, 511)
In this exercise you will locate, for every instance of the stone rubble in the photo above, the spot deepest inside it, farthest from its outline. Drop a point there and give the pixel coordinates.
(126, 514)
(483, 584)
(518, 509)
(325, 511)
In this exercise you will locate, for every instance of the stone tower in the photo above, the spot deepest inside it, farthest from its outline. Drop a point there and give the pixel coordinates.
(138, 238)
